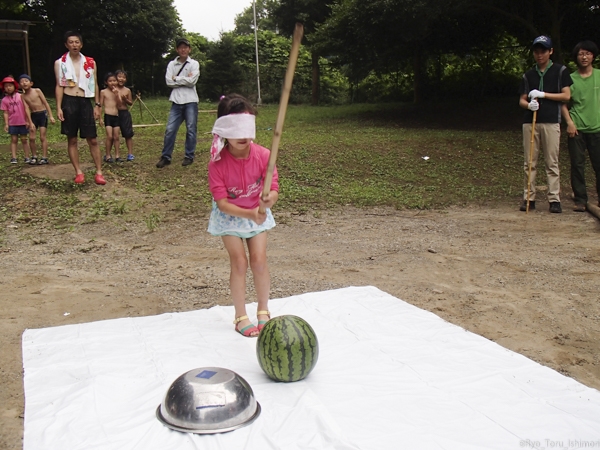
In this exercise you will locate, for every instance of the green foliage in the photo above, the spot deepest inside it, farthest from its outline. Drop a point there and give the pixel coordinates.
(152, 221)
(222, 72)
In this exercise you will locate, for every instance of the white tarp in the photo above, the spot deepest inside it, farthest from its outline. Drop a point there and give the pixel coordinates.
(389, 376)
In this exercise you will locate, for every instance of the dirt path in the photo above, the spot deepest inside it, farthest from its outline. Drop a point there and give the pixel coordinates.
(529, 282)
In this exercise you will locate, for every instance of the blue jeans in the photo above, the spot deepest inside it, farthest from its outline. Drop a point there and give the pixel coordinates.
(179, 113)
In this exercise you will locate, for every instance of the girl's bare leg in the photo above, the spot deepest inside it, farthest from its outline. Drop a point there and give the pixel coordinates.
(237, 278)
(257, 247)
(14, 139)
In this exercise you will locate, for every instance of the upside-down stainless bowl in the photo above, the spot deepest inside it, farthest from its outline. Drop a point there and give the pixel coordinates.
(208, 400)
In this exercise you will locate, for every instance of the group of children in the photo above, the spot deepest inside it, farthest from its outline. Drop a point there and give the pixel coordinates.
(28, 112)
(115, 100)
(24, 114)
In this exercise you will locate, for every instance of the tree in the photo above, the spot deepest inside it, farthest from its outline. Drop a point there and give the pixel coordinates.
(310, 13)
(116, 34)
(383, 35)
(223, 73)
(526, 19)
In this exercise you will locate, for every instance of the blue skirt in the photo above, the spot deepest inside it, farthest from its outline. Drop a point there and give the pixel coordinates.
(221, 224)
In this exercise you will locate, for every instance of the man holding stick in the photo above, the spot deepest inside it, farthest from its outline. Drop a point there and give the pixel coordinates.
(544, 88)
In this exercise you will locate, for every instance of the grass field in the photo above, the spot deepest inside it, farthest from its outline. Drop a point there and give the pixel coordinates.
(363, 155)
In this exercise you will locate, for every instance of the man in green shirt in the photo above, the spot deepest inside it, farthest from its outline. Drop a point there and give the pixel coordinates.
(583, 121)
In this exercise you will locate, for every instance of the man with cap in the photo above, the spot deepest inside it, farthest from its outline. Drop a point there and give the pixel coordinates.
(583, 121)
(182, 76)
(544, 89)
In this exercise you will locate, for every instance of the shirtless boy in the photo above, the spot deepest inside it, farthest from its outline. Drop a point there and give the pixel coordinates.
(40, 113)
(76, 85)
(110, 100)
(125, 121)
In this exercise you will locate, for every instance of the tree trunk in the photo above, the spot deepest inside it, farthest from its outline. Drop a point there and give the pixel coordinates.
(316, 79)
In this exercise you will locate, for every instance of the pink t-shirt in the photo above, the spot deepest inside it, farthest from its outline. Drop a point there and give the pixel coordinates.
(16, 109)
(241, 180)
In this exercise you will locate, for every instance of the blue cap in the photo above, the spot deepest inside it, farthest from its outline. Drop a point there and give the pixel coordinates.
(544, 41)
(25, 76)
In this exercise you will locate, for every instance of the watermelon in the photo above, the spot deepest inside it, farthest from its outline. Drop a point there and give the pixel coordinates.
(287, 348)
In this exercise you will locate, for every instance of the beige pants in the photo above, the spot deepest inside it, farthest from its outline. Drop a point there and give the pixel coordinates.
(547, 135)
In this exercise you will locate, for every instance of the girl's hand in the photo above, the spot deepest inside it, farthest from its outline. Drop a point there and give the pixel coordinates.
(258, 217)
(5, 128)
(572, 130)
(269, 200)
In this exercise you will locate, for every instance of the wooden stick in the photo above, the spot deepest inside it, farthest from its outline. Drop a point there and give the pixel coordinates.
(283, 102)
(530, 159)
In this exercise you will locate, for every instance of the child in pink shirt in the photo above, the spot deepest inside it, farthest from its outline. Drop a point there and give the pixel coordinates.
(236, 174)
(17, 119)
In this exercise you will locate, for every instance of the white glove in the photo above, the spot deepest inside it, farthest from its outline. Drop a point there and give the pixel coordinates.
(533, 105)
(536, 94)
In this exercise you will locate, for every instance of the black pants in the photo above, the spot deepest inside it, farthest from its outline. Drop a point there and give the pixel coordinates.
(577, 146)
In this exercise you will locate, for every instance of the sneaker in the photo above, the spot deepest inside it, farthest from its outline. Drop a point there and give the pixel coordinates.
(162, 162)
(14, 161)
(43, 161)
(580, 207)
(555, 207)
(524, 205)
(99, 179)
(27, 161)
(130, 157)
(33, 161)
(187, 161)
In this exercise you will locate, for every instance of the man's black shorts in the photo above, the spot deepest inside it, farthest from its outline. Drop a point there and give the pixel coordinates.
(79, 116)
(126, 123)
(40, 119)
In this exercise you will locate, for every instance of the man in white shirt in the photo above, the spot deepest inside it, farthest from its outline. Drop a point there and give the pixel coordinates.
(182, 76)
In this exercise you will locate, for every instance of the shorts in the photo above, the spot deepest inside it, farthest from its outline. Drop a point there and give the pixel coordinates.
(126, 123)
(40, 119)
(221, 224)
(111, 121)
(79, 116)
(19, 130)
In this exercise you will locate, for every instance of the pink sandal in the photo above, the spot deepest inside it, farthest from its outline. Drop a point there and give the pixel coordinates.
(246, 331)
(262, 323)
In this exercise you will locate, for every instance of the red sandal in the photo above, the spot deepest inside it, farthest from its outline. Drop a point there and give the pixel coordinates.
(246, 331)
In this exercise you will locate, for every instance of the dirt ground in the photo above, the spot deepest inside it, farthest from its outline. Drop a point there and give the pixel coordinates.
(529, 282)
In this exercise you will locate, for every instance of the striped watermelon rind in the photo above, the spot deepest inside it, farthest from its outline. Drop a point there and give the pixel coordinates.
(287, 348)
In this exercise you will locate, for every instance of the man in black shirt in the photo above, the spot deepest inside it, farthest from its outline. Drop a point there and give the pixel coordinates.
(544, 89)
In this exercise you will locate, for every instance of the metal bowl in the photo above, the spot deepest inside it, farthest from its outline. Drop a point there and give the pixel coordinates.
(208, 400)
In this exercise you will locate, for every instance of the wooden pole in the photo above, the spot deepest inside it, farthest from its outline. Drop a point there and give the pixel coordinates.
(283, 102)
(531, 147)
